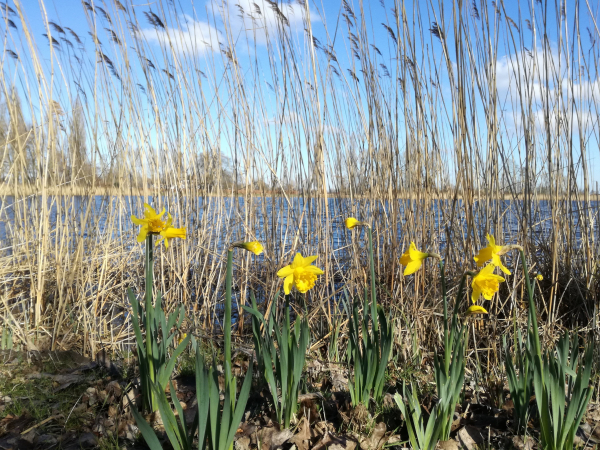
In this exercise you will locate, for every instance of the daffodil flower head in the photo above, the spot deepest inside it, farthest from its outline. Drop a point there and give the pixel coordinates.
(493, 252)
(151, 223)
(300, 274)
(168, 232)
(351, 222)
(539, 277)
(486, 283)
(254, 246)
(475, 309)
(412, 259)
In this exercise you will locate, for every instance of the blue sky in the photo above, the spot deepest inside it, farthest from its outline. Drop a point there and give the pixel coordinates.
(193, 29)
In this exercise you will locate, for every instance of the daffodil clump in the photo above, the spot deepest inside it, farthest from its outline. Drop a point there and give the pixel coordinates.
(370, 338)
(486, 282)
(156, 361)
(299, 274)
(153, 223)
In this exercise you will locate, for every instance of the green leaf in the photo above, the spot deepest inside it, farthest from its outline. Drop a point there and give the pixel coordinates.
(203, 377)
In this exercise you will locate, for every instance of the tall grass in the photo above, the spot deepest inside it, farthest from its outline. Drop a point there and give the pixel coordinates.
(440, 124)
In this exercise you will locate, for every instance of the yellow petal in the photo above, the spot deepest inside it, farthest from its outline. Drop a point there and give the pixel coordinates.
(169, 220)
(287, 284)
(143, 232)
(416, 254)
(485, 254)
(314, 269)
(504, 269)
(475, 309)
(491, 240)
(298, 261)
(539, 277)
(498, 263)
(137, 221)
(285, 272)
(476, 292)
(488, 270)
(405, 258)
(149, 209)
(412, 267)
(308, 260)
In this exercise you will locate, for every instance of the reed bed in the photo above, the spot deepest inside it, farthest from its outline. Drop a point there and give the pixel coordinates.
(271, 122)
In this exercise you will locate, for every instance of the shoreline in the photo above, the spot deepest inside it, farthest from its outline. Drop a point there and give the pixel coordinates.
(83, 191)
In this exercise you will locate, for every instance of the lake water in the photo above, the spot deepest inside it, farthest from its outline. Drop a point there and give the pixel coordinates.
(224, 220)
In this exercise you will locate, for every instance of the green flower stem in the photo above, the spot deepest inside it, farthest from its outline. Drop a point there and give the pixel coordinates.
(149, 265)
(373, 293)
(449, 337)
(445, 300)
(532, 316)
(227, 325)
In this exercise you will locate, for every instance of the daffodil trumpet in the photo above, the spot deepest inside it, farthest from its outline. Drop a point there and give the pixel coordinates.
(485, 283)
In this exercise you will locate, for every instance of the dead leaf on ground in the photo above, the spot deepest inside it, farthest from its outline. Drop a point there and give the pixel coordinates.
(12, 424)
(450, 444)
(519, 444)
(243, 443)
(469, 437)
(332, 441)
(270, 438)
(377, 438)
(303, 438)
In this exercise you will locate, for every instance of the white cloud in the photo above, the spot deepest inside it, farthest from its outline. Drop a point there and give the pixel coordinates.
(526, 71)
(257, 19)
(522, 78)
(195, 37)
(261, 20)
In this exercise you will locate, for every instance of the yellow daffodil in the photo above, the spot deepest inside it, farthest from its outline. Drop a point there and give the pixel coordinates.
(493, 252)
(351, 222)
(254, 246)
(486, 283)
(299, 274)
(151, 223)
(412, 259)
(475, 309)
(539, 277)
